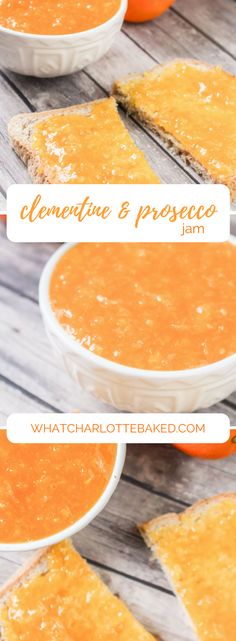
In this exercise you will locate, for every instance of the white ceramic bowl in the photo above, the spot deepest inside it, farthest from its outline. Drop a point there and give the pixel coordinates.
(81, 523)
(128, 388)
(51, 56)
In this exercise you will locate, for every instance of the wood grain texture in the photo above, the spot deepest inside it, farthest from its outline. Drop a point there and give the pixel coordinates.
(214, 18)
(156, 478)
(11, 168)
(172, 37)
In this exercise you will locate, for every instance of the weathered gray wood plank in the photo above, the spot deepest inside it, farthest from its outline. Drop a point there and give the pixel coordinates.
(165, 469)
(21, 318)
(11, 168)
(26, 357)
(15, 399)
(24, 259)
(215, 18)
(170, 36)
(233, 224)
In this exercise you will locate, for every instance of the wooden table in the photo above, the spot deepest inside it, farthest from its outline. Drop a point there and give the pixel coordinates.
(156, 479)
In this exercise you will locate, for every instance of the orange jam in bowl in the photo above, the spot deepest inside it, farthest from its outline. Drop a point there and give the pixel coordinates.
(46, 488)
(160, 307)
(50, 17)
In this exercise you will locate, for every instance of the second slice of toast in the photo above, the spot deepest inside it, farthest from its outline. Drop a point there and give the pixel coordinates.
(197, 550)
(192, 107)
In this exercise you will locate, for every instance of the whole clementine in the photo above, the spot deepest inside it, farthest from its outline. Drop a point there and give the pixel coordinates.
(211, 451)
(142, 10)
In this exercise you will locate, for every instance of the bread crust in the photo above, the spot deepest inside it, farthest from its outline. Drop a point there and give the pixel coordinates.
(170, 141)
(35, 565)
(173, 519)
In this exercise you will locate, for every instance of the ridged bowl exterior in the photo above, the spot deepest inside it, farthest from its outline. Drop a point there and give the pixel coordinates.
(146, 394)
(126, 388)
(51, 56)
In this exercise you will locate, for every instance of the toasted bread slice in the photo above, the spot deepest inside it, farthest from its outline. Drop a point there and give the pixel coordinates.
(192, 107)
(85, 143)
(197, 550)
(60, 597)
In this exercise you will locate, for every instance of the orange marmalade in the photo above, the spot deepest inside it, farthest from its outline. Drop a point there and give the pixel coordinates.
(46, 488)
(199, 553)
(89, 144)
(68, 602)
(196, 106)
(53, 18)
(151, 306)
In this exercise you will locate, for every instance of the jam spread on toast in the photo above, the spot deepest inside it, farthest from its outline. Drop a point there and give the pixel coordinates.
(90, 145)
(199, 553)
(67, 601)
(195, 105)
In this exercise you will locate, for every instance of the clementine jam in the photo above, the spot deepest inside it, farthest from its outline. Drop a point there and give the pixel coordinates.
(196, 106)
(68, 602)
(151, 306)
(46, 488)
(200, 556)
(50, 17)
(89, 144)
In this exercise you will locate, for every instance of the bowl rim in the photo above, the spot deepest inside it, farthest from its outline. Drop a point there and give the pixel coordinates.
(68, 36)
(81, 523)
(104, 363)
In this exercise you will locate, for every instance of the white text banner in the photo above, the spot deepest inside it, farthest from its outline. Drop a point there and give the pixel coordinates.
(118, 213)
(118, 428)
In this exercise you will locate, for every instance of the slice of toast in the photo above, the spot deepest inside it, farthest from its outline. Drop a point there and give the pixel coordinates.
(85, 143)
(197, 550)
(192, 107)
(59, 597)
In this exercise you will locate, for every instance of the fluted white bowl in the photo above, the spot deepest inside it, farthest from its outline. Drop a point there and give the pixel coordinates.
(129, 388)
(51, 56)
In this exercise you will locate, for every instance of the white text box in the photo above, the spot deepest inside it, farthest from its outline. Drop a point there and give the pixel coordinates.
(118, 428)
(118, 213)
